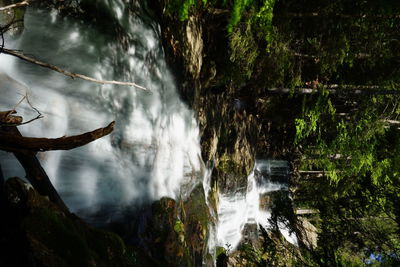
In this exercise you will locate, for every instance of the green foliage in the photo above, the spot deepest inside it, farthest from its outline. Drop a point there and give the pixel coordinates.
(179, 227)
(264, 19)
(184, 11)
(359, 192)
(219, 251)
(244, 50)
(181, 8)
(239, 6)
(345, 257)
(314, 112)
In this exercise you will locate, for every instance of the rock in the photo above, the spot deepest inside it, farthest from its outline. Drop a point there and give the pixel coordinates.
(193, 50)
(196, 49)
(176, 231)
(35, 232)
(308, 233)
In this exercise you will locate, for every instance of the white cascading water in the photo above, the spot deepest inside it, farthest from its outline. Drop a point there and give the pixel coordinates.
(238, 209)
(154, 149)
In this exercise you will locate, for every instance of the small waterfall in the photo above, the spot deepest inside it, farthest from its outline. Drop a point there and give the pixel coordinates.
(237, 211)
(154, 149)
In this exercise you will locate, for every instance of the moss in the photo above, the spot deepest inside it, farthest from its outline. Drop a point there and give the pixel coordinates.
(196, 208)
(57, 239)
(59, 236)
(179, 227)
(219, 251)
(226, 164)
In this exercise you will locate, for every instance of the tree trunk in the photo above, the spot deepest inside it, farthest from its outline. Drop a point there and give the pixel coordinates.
(336, 90)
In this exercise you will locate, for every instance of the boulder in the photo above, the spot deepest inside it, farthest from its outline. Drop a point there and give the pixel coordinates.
(35, 232)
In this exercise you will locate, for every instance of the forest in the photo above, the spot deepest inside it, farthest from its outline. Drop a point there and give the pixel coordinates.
(311, 83)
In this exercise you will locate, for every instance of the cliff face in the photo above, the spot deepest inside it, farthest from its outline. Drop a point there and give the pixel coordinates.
(196, 51)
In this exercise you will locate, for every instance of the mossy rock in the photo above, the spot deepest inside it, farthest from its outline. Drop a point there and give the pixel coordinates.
(47, 236)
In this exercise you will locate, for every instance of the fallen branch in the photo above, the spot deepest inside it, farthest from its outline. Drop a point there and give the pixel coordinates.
(13, 143)
(23, 3)
(65, 72)
(35, 173)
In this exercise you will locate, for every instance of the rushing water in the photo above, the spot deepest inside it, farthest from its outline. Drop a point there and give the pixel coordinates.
(154, 149)
(236, 210)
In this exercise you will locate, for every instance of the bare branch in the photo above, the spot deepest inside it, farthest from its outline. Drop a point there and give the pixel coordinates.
(16, 105)
(7, 118)
(13, 143)
(26, 122)
(39, 115)
(19, 4)
(65, 72)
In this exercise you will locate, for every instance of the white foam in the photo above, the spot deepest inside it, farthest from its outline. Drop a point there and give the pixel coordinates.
(237, 209)
(154, 148)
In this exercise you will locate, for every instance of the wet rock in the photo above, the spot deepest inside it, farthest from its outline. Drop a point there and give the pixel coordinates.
(176, 231)
(196, 50)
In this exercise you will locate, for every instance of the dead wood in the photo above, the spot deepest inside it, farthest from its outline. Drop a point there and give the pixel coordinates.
(6, 118)
(12, 142)
(35, 173)
(19, 4)
(24, 57)
(25, 149)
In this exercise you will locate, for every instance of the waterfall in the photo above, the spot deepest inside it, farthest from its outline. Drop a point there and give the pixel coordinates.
(154, 149)
(238, 210)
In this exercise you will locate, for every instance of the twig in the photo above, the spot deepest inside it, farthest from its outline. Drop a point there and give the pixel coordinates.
(23, 3)
(39, 116)
(26, 122)
(16, 105)
(67, 73)
(17, 121)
